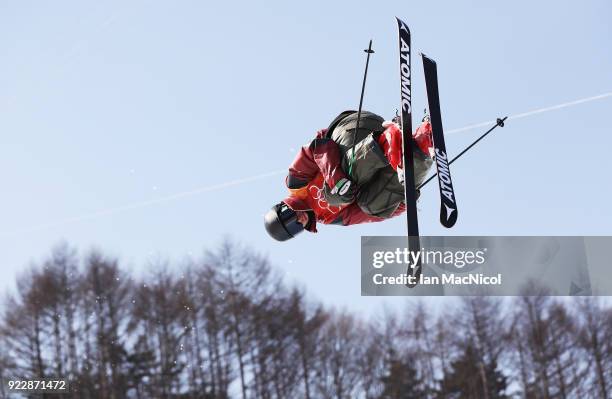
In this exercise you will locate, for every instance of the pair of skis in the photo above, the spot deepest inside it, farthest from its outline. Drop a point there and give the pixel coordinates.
(448, 203)
(448, 206)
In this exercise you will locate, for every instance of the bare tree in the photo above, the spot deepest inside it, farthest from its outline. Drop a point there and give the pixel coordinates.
(339, 351)
(595, 332)
(418, 329)
(218, 350)
(60, 282)
(549, 354)
(23, 328)
(306, 323)
(244, 279)
(107, 288)
(445, 346)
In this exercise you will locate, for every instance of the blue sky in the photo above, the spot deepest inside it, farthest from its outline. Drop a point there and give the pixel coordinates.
(103, 105)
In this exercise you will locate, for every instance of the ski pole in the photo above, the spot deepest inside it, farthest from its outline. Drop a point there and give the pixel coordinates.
(500, 123)
(365, 75)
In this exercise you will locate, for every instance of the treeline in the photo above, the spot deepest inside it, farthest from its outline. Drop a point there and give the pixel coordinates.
(227, 326)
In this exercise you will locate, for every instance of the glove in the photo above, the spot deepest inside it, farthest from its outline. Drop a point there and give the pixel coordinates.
(423, 138)
(342, 187)
(391, 143)
(395, 123)
(344, 192)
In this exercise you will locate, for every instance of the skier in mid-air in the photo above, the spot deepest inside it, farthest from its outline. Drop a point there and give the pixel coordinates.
(348, 176)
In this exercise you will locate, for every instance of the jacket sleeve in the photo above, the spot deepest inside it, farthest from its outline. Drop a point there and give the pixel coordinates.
(321, 156)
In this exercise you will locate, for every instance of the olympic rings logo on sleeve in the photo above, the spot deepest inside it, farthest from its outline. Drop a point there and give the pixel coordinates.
(316, 193)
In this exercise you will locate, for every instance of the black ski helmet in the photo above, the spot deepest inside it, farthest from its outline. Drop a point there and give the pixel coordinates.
(281, 222)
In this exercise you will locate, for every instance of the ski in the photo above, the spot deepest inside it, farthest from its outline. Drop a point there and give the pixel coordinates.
(408, 146)
(448, 202)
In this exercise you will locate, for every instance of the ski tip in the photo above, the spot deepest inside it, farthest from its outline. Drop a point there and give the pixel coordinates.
(448, 218)
(402, 25)
(426, 58)
(448, 214)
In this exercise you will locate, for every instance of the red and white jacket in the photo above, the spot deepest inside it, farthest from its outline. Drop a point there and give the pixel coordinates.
(317, 164)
